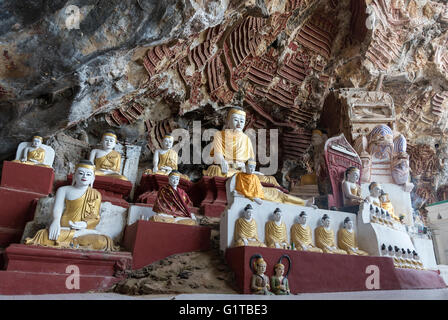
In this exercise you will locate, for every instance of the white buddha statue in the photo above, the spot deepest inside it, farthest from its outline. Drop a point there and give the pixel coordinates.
(35, 153)
(232, 148)
(76, 213)
(275, 232)
(107, 161)
(351, 190)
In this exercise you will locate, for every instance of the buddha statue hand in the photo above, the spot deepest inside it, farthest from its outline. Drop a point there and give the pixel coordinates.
(224, 166)
(245, 241)
(166, 169)
(54, 230)
(79, 225)
(258, 201)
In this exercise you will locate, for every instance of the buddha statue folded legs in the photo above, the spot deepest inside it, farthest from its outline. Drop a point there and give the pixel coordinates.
(76, 213)
(325, 237)
(172, 203)
(301, 235)
(347, 239)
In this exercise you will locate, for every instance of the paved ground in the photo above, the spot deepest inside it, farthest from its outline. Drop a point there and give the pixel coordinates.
(433, 294)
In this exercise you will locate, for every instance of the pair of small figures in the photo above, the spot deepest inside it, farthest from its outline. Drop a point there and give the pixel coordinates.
(260, 283)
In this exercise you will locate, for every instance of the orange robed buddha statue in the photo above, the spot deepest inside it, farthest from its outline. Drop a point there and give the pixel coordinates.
(248, 184)
(76, 213)
(107, 161)
(172, 203)
(232, 148)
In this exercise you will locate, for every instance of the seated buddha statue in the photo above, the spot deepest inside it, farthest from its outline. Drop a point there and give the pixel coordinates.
(275, 232)
(351, 190)
(107, 161)
(172, 203)
(231, 148)
(33, 154)
(387, 205)
(76, 213)
(165, 160)
(246, 232)
(259, 283)
(398, 261)
(301, 235)
(417, 261)
(279, 283)
(248, 185)
(325, 237)
(347, 239)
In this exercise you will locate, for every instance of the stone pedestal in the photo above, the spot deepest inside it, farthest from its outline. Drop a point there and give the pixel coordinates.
(21, 187)
(321, 272)
(151, 241)
(40, 270)
(113, 190)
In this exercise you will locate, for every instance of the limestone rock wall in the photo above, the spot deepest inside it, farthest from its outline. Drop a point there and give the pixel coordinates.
(70, 69)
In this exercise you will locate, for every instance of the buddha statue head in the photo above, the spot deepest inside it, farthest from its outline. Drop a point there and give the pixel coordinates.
(384, 197)
(415, 255)
(277, 215)
(325, 221)
(302, 218)
(279, 269)
(348, 224)
(167, 142)
(403, 253)
(248, 210)
(236, 119)
(383, 213)
(409, 253)
(317, 137)
(390, 250)
(174, 178)
(397, 252)
(383, 250)
(372, 210)
(352, 174)
(260, 266)
(109, 140)
(36, 142)
(375, 189)
(377, 212)
(251, 165)
(84, 174)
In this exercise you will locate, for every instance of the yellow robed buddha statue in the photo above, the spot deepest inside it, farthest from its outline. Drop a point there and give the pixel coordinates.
(301, 235)
(76, 213)
(248, 184)
(325, 237)
(386, 204)
(351, 190)
(246, 232)
(165, 160)
(231, 148)
(347, 239)
(275, 232)
(33, 154)
(107, 161)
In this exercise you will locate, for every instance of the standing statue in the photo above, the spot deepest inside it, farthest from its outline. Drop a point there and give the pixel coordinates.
(246, 232)
(318, 139)
(107, 160)
(351, 190)
(279, 282)
(76, 213)
(259, 283)
(347, 239)
(301, 235)
(232, 148)
(35, 153)
(275, 232)
(172, 203)
(325, 237)
(248, 184)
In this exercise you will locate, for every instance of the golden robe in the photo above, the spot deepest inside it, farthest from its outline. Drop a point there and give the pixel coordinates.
(301, 235)
(86, 208)
(276, 234)
(111, 161)
(37, 155)
(246, 229)
(389, 207)
(347, 241)
(325, 238)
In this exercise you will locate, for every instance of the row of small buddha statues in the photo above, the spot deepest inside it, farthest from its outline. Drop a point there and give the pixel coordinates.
(260, 283)
(351, 191)
(406, 259)
(246, 234)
